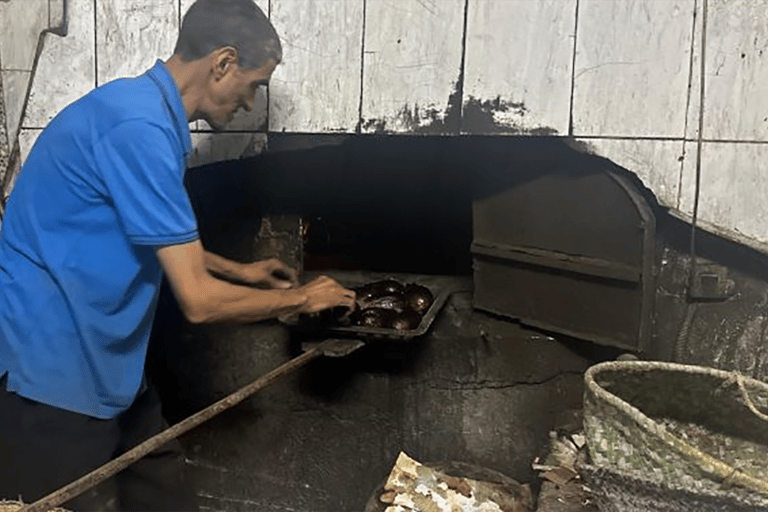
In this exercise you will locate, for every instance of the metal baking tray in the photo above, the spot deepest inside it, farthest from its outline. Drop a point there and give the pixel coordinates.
(441, 287)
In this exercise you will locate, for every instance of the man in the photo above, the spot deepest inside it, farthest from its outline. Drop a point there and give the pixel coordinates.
(98, 213)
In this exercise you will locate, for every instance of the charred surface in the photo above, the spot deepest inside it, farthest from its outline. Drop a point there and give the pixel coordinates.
(480, 117)
(423, 121)
(477, 388)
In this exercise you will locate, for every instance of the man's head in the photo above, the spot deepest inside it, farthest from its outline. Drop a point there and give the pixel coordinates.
(237, 46)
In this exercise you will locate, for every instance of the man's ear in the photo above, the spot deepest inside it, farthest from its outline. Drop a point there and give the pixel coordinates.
(224, 59)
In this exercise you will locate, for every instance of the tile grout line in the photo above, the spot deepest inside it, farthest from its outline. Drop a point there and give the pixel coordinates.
(359, 128)
(462, 69)
(30, 82)
(687, 105)
(700, 138)
(573, 68)
(699, 145)
(266, 93)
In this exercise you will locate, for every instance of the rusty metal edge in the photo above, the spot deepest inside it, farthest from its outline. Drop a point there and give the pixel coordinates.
(648, 277)
(559, 260)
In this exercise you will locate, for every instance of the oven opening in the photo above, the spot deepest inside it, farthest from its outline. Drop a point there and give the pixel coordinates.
(506, 224)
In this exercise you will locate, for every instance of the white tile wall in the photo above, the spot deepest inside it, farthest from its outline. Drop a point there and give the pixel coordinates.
(132, 34)
(632, 67)
(317, 86)
(20, 24)
(185, 5)
(736, 87)
(263, 5)
(56, 13)
(657, 163)
(15, 84)
(66, 69)
(694, 97)
(531, 47)
(633, 71)
(734, 187)
(687, 191)
(411, 62)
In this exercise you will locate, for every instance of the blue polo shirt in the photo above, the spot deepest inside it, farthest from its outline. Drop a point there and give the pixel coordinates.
(101, 189)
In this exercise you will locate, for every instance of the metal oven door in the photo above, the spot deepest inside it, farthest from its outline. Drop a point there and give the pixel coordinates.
(569, 254)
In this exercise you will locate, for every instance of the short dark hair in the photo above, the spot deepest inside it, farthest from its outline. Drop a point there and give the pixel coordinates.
(212, 24)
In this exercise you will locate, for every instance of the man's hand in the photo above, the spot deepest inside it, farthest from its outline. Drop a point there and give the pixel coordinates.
(325, 293)
(205, 299)
(271, 273)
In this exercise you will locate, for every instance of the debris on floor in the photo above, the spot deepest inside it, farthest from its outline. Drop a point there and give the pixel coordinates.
(562, 489)
(13, 506)
(414, 487)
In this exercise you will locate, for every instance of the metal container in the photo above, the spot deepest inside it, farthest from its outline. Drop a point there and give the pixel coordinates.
(441, 287)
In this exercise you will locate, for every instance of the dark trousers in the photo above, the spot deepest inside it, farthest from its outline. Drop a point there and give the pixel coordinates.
(43, 448)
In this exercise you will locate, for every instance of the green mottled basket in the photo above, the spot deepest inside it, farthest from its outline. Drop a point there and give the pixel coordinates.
(686, 426)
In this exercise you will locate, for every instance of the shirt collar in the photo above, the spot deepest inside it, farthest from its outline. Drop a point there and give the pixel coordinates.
(172, 96)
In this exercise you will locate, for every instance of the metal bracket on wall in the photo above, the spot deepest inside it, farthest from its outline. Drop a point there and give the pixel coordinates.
(711, 284)
(57, 17)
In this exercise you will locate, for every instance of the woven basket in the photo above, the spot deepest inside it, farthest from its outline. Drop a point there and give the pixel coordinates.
(13, 506)
(683, 427)
(616, 491)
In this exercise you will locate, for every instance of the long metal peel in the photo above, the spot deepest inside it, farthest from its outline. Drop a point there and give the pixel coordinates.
(332, 348)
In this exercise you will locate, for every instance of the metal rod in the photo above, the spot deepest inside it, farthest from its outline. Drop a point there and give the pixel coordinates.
(113, 467)
(699, 145)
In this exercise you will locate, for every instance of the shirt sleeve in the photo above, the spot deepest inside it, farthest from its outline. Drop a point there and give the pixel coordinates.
(144, 177)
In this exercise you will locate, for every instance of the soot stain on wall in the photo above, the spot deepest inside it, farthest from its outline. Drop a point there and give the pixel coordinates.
(425, 121)
(478, 117)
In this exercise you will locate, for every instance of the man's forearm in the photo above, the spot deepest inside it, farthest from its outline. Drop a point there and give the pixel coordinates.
(222, 267)
(225, 302)
(203, 298)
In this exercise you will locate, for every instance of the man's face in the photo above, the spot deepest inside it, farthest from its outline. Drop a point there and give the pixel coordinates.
(236, 89)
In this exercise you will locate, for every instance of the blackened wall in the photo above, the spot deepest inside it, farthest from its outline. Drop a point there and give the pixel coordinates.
(477, 388)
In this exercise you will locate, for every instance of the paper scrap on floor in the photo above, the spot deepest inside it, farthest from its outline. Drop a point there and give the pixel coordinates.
(413, 487)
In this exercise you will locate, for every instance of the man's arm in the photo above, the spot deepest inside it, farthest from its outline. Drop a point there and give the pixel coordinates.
(271, 273)
(205, 299)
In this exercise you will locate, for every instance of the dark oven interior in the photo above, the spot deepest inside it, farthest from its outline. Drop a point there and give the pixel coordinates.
(479, 387)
